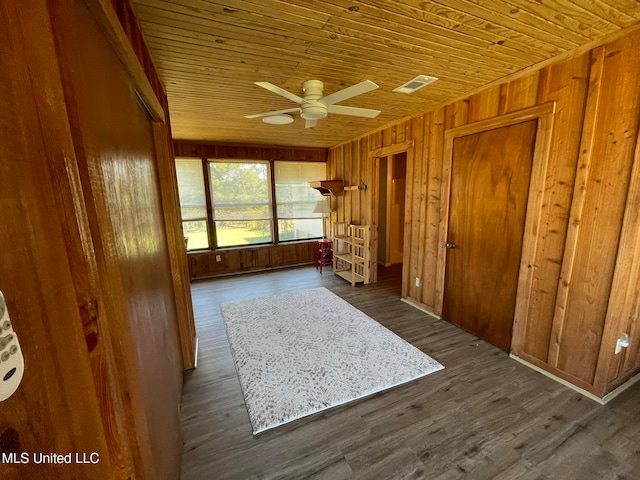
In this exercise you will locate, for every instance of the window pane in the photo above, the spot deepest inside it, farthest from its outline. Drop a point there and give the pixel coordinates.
(192, 202)
(241, 184)
(191, 188)
(241, 198)
(298, 229)
(230, 234)
(242, 212)
(193, 213)
(196, 232)
(295, 200)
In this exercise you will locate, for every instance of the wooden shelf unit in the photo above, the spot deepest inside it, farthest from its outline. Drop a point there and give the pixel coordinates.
(351, 252)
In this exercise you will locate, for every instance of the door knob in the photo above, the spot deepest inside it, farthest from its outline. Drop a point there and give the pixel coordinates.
(450, 245)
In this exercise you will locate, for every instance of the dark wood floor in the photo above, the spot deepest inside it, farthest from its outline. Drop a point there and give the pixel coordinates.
(484, 416)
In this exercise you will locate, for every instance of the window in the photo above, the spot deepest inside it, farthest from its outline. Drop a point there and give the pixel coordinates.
(193, 204)
(241, 203)
(239, 209)
(295, 200)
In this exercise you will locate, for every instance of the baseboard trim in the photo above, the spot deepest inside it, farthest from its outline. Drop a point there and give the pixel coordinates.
(602, 401)
(241, 272)
(422, 309)
(558, 379)
(195, 355)
(617, 391)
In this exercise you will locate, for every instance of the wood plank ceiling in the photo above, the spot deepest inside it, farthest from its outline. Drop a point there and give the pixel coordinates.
(209, 53)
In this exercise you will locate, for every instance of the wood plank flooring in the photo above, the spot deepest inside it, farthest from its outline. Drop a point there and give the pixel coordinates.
(484, 416)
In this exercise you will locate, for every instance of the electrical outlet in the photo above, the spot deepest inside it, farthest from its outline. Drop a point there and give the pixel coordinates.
(218, 258)
(417, 281)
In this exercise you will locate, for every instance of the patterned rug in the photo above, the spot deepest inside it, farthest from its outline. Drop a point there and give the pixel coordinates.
(303, 352)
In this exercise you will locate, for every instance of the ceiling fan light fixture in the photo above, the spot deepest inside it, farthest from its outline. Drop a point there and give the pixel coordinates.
(313, 110)
(415, 84)
(280, 119)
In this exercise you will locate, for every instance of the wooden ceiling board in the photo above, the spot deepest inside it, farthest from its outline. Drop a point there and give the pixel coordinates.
(209, 53)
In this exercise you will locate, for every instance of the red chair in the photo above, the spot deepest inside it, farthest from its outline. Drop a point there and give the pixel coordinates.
(325, 253)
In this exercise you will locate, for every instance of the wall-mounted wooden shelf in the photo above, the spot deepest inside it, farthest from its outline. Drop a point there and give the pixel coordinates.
(329, 187)
(335, 187)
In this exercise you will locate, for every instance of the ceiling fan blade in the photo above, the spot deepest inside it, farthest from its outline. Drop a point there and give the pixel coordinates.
(275, 112)
(354, 111)
(352, 91)
(280, 91)
(310, 123)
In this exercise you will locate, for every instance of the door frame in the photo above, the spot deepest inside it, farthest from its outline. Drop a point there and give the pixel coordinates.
(374, 156)
(378, 166)
(390, 163)
(545, 115)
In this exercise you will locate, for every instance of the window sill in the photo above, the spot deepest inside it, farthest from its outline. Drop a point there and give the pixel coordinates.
(249, 247)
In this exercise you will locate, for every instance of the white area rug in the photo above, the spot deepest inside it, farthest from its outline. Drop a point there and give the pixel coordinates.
(303, 352)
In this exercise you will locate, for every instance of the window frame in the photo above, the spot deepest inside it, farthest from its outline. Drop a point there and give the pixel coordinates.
(275, 205)
(207, 205)
(211, 223)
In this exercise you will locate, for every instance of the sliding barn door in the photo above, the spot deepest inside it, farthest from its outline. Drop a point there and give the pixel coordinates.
(489, 190)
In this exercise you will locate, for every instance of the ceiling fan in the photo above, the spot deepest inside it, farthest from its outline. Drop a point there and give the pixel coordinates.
(314, 106)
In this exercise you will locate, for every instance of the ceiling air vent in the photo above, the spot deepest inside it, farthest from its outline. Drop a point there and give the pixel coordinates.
(415, 84)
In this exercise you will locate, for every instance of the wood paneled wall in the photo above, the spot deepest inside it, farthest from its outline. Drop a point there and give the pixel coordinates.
(168, 183)
(84, 254)
(251, 259)
(248, 152)
(116, 155)
(51, 305)
(237, 260)
(586, 240)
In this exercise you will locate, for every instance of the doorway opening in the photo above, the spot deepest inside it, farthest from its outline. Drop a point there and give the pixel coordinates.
(392, 185)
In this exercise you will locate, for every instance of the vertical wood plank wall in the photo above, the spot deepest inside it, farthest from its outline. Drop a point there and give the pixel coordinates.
(116, 155)
(84, 254)
(168, 188)
(587, 238)
(50, 303)
(258, 257)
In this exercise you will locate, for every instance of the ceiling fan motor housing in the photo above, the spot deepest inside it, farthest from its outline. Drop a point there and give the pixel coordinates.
(312, 108)
(312, 89)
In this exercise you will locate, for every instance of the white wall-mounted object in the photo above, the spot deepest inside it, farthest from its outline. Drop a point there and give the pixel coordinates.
(623, 342)
(11, 359)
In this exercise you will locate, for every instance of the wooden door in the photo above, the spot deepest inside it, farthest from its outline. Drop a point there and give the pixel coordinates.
(489, 189)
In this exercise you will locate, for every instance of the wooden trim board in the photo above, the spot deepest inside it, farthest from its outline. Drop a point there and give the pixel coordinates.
(392, 149)
(107, 19)
(602, 401)
(500, 121)
(422, 309)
